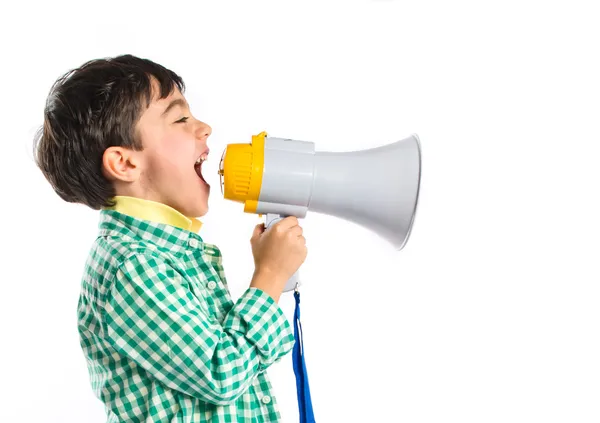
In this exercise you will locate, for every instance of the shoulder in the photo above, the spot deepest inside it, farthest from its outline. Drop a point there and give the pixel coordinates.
(114, 251)
(110, 255)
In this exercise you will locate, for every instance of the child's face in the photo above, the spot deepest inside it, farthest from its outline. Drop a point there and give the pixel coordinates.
(173, 141)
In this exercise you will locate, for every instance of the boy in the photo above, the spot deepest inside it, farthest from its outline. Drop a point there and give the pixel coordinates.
(162, 338)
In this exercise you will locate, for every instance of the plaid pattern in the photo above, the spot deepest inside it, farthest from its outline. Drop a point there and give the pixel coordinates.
(162, 338)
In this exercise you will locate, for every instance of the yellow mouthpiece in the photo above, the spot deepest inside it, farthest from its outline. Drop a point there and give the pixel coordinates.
(241, 171)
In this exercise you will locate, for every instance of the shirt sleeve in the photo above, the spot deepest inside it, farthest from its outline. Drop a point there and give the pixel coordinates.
(152, 317)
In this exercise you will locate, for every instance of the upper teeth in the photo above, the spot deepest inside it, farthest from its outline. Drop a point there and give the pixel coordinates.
(202, 158)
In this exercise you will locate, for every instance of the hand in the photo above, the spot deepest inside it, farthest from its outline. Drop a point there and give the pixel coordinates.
(278, 253)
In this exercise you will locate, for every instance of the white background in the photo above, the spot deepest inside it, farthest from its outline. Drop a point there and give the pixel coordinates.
(491, 312)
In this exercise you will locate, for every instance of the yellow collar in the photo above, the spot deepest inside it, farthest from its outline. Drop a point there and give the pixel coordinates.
(155, 212)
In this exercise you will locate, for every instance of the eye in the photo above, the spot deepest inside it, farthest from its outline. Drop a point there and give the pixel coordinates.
(182, 120)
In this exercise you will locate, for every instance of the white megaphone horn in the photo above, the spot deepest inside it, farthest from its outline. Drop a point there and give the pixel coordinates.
(377, 188)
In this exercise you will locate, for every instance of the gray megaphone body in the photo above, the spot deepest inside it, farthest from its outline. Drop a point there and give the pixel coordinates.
(376, 188)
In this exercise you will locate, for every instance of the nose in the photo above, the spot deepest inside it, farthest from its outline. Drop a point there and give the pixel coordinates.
(203, 131)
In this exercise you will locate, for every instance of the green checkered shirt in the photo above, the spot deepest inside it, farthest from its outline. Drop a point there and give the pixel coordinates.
(163, 340)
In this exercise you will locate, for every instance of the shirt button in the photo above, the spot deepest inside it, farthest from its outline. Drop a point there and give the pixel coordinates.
(212, 285)
(193, 243)
(266, 399)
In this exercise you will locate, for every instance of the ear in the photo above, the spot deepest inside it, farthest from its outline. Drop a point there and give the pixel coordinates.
(121, 164)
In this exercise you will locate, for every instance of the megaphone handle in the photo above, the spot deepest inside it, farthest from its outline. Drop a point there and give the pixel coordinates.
(294, 281)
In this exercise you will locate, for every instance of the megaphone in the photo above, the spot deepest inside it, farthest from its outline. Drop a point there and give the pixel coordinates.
(377, 188)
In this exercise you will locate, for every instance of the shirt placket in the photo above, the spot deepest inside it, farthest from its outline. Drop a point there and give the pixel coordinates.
(216, 290)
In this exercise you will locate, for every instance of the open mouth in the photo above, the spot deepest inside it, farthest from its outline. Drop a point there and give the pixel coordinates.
(198, 166)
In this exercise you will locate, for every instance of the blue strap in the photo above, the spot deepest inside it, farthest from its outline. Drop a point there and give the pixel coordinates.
(304, 401)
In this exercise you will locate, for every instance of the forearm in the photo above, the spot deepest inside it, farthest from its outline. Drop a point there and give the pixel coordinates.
(268, 282)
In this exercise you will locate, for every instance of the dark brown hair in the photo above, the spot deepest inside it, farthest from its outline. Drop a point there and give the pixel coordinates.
(88, 110)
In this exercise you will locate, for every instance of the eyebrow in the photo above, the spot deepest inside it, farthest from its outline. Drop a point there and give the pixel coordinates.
(177, 102)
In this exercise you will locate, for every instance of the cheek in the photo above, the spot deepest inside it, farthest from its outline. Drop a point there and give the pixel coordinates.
(174, 155)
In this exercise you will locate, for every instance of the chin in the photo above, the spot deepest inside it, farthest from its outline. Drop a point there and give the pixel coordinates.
(200, 210)
(203, 212)
(197, 202)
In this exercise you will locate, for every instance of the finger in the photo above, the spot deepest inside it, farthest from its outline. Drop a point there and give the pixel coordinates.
(303, 240)
(288, 222)
(297, 230)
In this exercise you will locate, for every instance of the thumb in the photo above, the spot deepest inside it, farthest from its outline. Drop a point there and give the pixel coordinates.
(258, 230)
